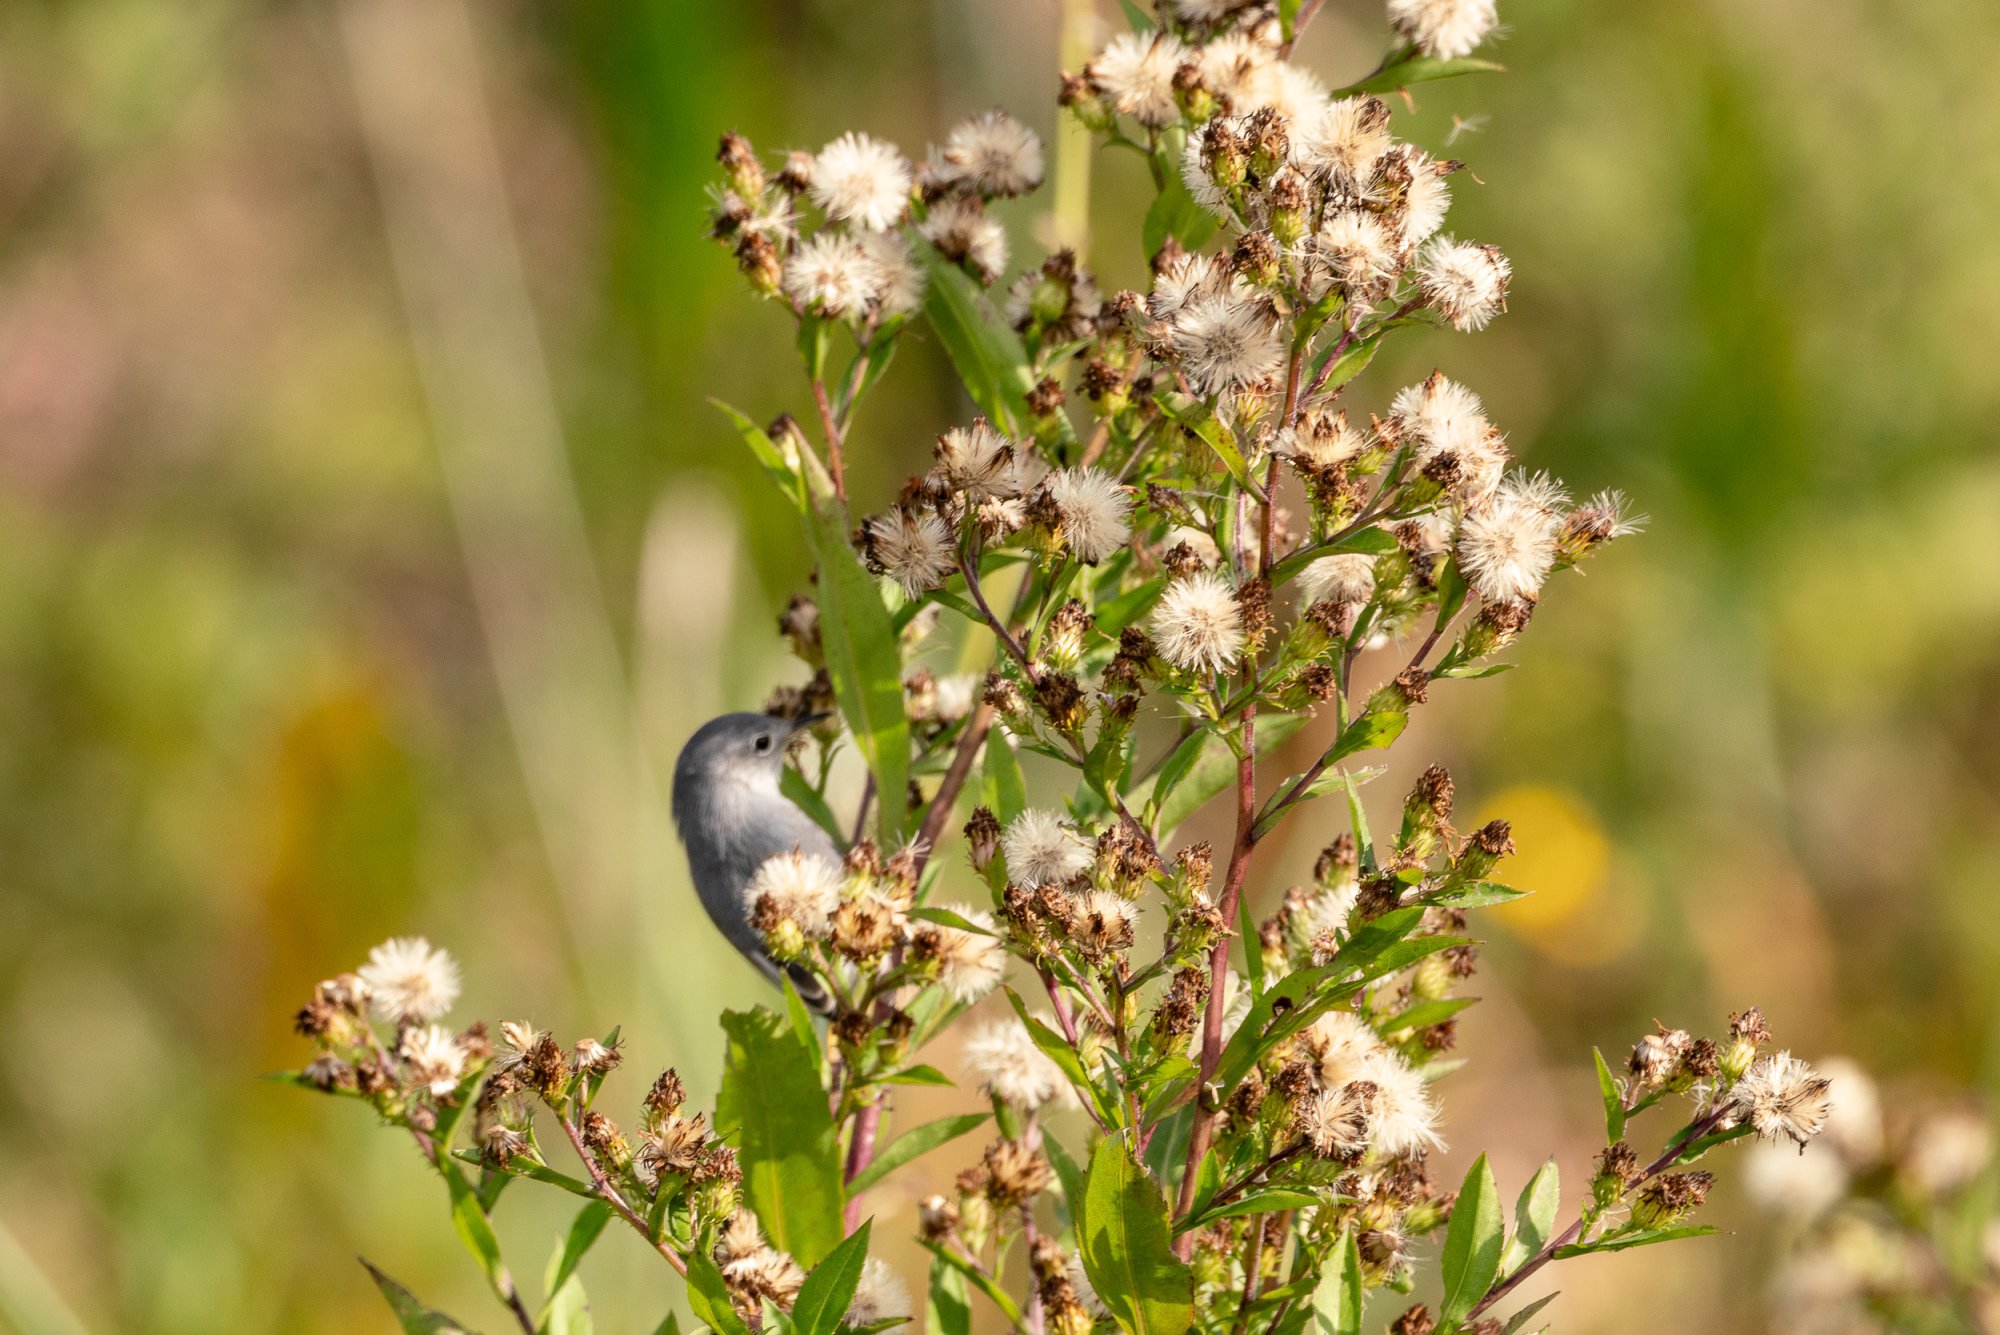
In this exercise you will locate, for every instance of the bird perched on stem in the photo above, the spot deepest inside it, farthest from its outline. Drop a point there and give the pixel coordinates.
(733, 817)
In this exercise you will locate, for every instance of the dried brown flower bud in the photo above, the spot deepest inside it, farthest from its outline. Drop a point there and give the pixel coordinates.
(1016, 1172)
(1062, 701)
(666, 1096)
(1416, 1321)
(1046, 398)
(937, 1218)
(1180, 1009)
(982, 837)
(1670, 1198)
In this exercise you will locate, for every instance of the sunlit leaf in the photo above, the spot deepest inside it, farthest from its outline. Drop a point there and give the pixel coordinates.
(1123, 1235)
(1534, 1216)
(772, 1103)
(412, 1315)
(1472, 1245)
(829, 1289)
(912, 1143)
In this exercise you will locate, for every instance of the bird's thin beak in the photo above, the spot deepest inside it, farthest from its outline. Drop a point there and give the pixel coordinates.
(805, 721)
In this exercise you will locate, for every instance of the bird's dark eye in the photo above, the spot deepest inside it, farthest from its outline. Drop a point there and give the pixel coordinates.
(764, 743)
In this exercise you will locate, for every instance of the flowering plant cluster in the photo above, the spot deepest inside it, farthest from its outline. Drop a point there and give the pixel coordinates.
(1175, 539)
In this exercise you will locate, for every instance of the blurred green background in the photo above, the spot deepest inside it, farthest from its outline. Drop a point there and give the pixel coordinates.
(367, 547)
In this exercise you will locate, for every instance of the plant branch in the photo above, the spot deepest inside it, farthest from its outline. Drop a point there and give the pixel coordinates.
(610, 1196)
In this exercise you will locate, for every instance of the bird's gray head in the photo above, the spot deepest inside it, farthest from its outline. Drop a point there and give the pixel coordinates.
(737, 753)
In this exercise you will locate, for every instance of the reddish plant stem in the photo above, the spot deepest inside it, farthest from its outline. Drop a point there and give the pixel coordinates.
(939, 812)
(861, 1153)
(609, 1194)
(834, 466)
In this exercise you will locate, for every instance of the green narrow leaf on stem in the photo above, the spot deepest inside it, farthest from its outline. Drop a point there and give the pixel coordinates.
(1261, 1202)
(1519, 1321)
(567, 1311)
(1127, 1250)
(1644, 1238)
(1534, 1217)
(1478, 895)
(829, 1289)
(1212, 770)
(1057, 1049)
(1174, 213)
(1363, 841)
(1614, 1101)
(783, 472)
(411, 1314)
(1415, 68)
(1068, 1174)
(866, 665)
(947, 1307)
(709, 1295)
(771, 1101)
(1006, 790)
(916, 1075)
(583, 1233)
(912, 1143)
(1338, 1299)
(1472, 1245)
(1370, 541)
(1353, 360)
(983, 349)
(807, 799)
(475, 1230)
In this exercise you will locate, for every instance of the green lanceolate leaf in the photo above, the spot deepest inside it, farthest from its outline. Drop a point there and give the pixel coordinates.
(522, 1167)
(1410, 67)
(1519, 1321)
(583, 1234)
(1364, 842)
(1212, 769)
(1643, 1238)
(1534, 1217)
(947, 1307)
(1175, 214)
(824, 1297)
(1006, 790)
(1370, 541)
(1426, 1013)
(984, 351)
(1140, 20)
(1069, 1175)
(567, 1311)
(771, 1101)
(1261, 1202)
(1194, 417)
(1614, 1102)
(1478, 895)
(475, 1230)
(411, 1314)
(807, 799)
(1124, 1237)
(783, 472)
(916, 1075)
(866, 665)
(1058, 1050)
(912, 1143)
(1337, 1301)
(709, 1296)
(1472, 1245)
(1353, 360)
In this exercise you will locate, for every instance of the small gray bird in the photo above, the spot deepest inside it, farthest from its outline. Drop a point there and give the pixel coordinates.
(732, 816)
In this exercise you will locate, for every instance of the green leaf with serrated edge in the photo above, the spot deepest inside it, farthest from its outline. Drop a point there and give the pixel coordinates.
(1370, 541)
(411, 1314)
(583, 1233)
(807, 799)
(829, 1289)
(1261, 1202)
(783, 472)
(709, 1295)
(1058, 1050)
(522, 1167)
(1213, 770)
(866, 665)
(1127, 1252)
(1614, 1102)
(771, 1101)
(1338, 1297)
(1643, 1238)
(916, 1141)
(1472, 1245)
(1478, 895)
(1534, 1217)
(947, 1306)
(474, 1229)
(985, 352)
(915, 1075)
(1006, 789)
(1519, 1321)
(1425, 1013)
(1409, 67)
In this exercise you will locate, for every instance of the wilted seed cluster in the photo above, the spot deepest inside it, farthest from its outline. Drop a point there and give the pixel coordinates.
(826, 232)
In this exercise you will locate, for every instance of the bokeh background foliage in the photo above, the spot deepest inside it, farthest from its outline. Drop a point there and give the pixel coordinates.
(369, 547)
